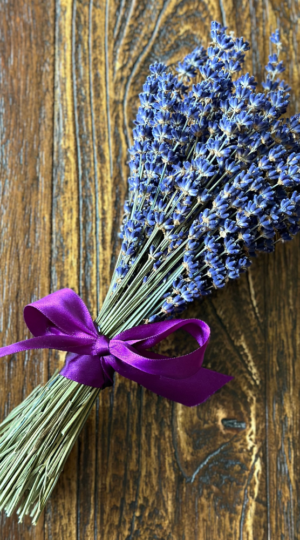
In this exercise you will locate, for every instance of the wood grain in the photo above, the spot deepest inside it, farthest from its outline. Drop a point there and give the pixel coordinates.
(27, 98)
(144, 468)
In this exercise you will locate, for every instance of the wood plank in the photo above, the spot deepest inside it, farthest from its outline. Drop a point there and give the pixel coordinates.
(27, 68)
(61, 511)
(87, 224)
(282, 303)
(283, 376)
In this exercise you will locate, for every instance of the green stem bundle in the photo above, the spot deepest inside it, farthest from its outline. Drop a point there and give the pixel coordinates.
(35, 441)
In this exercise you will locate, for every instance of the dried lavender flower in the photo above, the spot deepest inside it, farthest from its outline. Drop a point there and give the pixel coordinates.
(214, 180)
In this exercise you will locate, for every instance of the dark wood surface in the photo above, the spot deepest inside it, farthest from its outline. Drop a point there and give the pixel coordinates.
(144, 468)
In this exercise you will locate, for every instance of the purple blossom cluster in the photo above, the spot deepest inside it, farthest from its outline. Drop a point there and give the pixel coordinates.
(214, 178)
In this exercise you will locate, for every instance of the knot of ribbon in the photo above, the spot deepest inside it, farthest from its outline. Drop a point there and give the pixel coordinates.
(62, 321)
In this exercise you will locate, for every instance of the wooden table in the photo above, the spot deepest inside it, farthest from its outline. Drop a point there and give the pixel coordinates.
(144, 468)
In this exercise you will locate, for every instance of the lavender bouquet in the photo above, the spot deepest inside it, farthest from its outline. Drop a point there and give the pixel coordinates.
(214, 179)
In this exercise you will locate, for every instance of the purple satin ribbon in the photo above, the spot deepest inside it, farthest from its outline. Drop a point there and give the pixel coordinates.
(62, 321)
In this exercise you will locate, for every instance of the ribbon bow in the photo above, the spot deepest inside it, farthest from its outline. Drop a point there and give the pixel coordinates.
(62, 321)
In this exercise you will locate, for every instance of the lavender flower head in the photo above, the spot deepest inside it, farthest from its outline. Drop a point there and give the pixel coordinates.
(214, 179)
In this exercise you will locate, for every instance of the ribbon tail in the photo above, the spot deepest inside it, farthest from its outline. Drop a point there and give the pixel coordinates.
(26, 345)
(190, 391)
(50, 341)
(195, 389)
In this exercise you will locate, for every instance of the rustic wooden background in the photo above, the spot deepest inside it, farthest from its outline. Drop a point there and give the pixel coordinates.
(144, 468)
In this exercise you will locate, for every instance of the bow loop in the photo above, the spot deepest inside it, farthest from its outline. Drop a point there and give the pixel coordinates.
(62, 321)
(62, 312)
